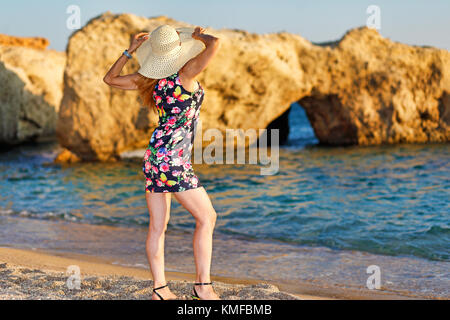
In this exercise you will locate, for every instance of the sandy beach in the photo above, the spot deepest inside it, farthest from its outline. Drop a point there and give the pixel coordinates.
(35, 275)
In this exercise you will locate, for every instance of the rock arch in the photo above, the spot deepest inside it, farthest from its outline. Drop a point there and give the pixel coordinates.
(362, 89)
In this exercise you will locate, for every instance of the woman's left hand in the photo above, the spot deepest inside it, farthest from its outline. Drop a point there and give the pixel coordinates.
(137, 41)
(198, 32)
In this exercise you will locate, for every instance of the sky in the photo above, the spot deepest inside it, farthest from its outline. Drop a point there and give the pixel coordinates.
(416, 22)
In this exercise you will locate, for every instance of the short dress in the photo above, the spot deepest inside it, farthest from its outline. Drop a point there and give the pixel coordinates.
(167, 161)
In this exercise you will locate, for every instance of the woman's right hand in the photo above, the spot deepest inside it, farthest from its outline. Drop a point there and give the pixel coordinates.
(137, 41)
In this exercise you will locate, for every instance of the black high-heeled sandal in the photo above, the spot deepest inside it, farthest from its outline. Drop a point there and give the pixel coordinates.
(154, 290)
(195, 295)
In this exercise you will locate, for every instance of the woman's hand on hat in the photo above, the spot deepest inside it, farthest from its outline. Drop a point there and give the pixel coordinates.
(197, 32)
(137, 40)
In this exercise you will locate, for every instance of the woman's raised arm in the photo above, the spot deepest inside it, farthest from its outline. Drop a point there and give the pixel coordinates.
(127, 82)
(197, 64)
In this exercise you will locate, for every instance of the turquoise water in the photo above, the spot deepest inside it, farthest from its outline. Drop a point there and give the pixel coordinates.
(385, 200)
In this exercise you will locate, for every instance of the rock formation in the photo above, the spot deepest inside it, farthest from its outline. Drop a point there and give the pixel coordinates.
(35, 43)
(363, 89)
(30, 93)
(373, 91)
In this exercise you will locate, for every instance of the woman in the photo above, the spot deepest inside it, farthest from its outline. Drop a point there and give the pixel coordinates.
(170, 60)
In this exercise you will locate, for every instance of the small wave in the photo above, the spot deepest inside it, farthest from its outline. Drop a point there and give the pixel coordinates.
(438, 230)
(77, 217)
(41, 215)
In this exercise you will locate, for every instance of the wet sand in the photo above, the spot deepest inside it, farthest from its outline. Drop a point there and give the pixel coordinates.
(26, 274)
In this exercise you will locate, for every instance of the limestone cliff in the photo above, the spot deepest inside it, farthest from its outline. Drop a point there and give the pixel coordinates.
(30, 92)
(363, 89)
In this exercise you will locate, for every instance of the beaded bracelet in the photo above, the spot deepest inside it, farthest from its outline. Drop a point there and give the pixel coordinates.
(127, 54)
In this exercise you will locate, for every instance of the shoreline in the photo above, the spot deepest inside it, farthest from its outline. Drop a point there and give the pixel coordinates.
(38, 274)
(20, 270)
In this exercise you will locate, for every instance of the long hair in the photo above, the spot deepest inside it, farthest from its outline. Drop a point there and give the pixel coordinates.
(145, 88)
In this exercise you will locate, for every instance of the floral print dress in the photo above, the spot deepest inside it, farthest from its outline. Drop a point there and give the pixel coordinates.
(167, 160)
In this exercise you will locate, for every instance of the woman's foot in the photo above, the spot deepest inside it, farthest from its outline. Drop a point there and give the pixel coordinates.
(165, 293)
(206, 292)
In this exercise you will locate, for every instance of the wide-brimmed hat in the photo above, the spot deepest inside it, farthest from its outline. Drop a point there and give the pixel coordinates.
(162, 55)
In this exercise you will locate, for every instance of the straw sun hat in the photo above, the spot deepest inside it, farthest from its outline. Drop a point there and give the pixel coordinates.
(162, 55)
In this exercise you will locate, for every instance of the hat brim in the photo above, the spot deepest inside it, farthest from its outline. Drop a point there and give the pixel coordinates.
(156, 67)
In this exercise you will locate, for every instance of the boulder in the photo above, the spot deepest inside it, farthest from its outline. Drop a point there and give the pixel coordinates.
(65, 156)
(362, 89)
(30, 94)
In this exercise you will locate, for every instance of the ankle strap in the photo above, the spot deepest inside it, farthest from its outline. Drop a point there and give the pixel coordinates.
(202, 283)
(160, 287)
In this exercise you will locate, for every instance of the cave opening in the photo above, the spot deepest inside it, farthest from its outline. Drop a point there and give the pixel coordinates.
(295, 128)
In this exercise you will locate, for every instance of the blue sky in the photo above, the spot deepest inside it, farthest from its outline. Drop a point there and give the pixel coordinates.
(417, 22)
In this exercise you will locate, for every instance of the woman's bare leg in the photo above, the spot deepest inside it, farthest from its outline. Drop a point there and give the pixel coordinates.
(197, 202)
(159, 210)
